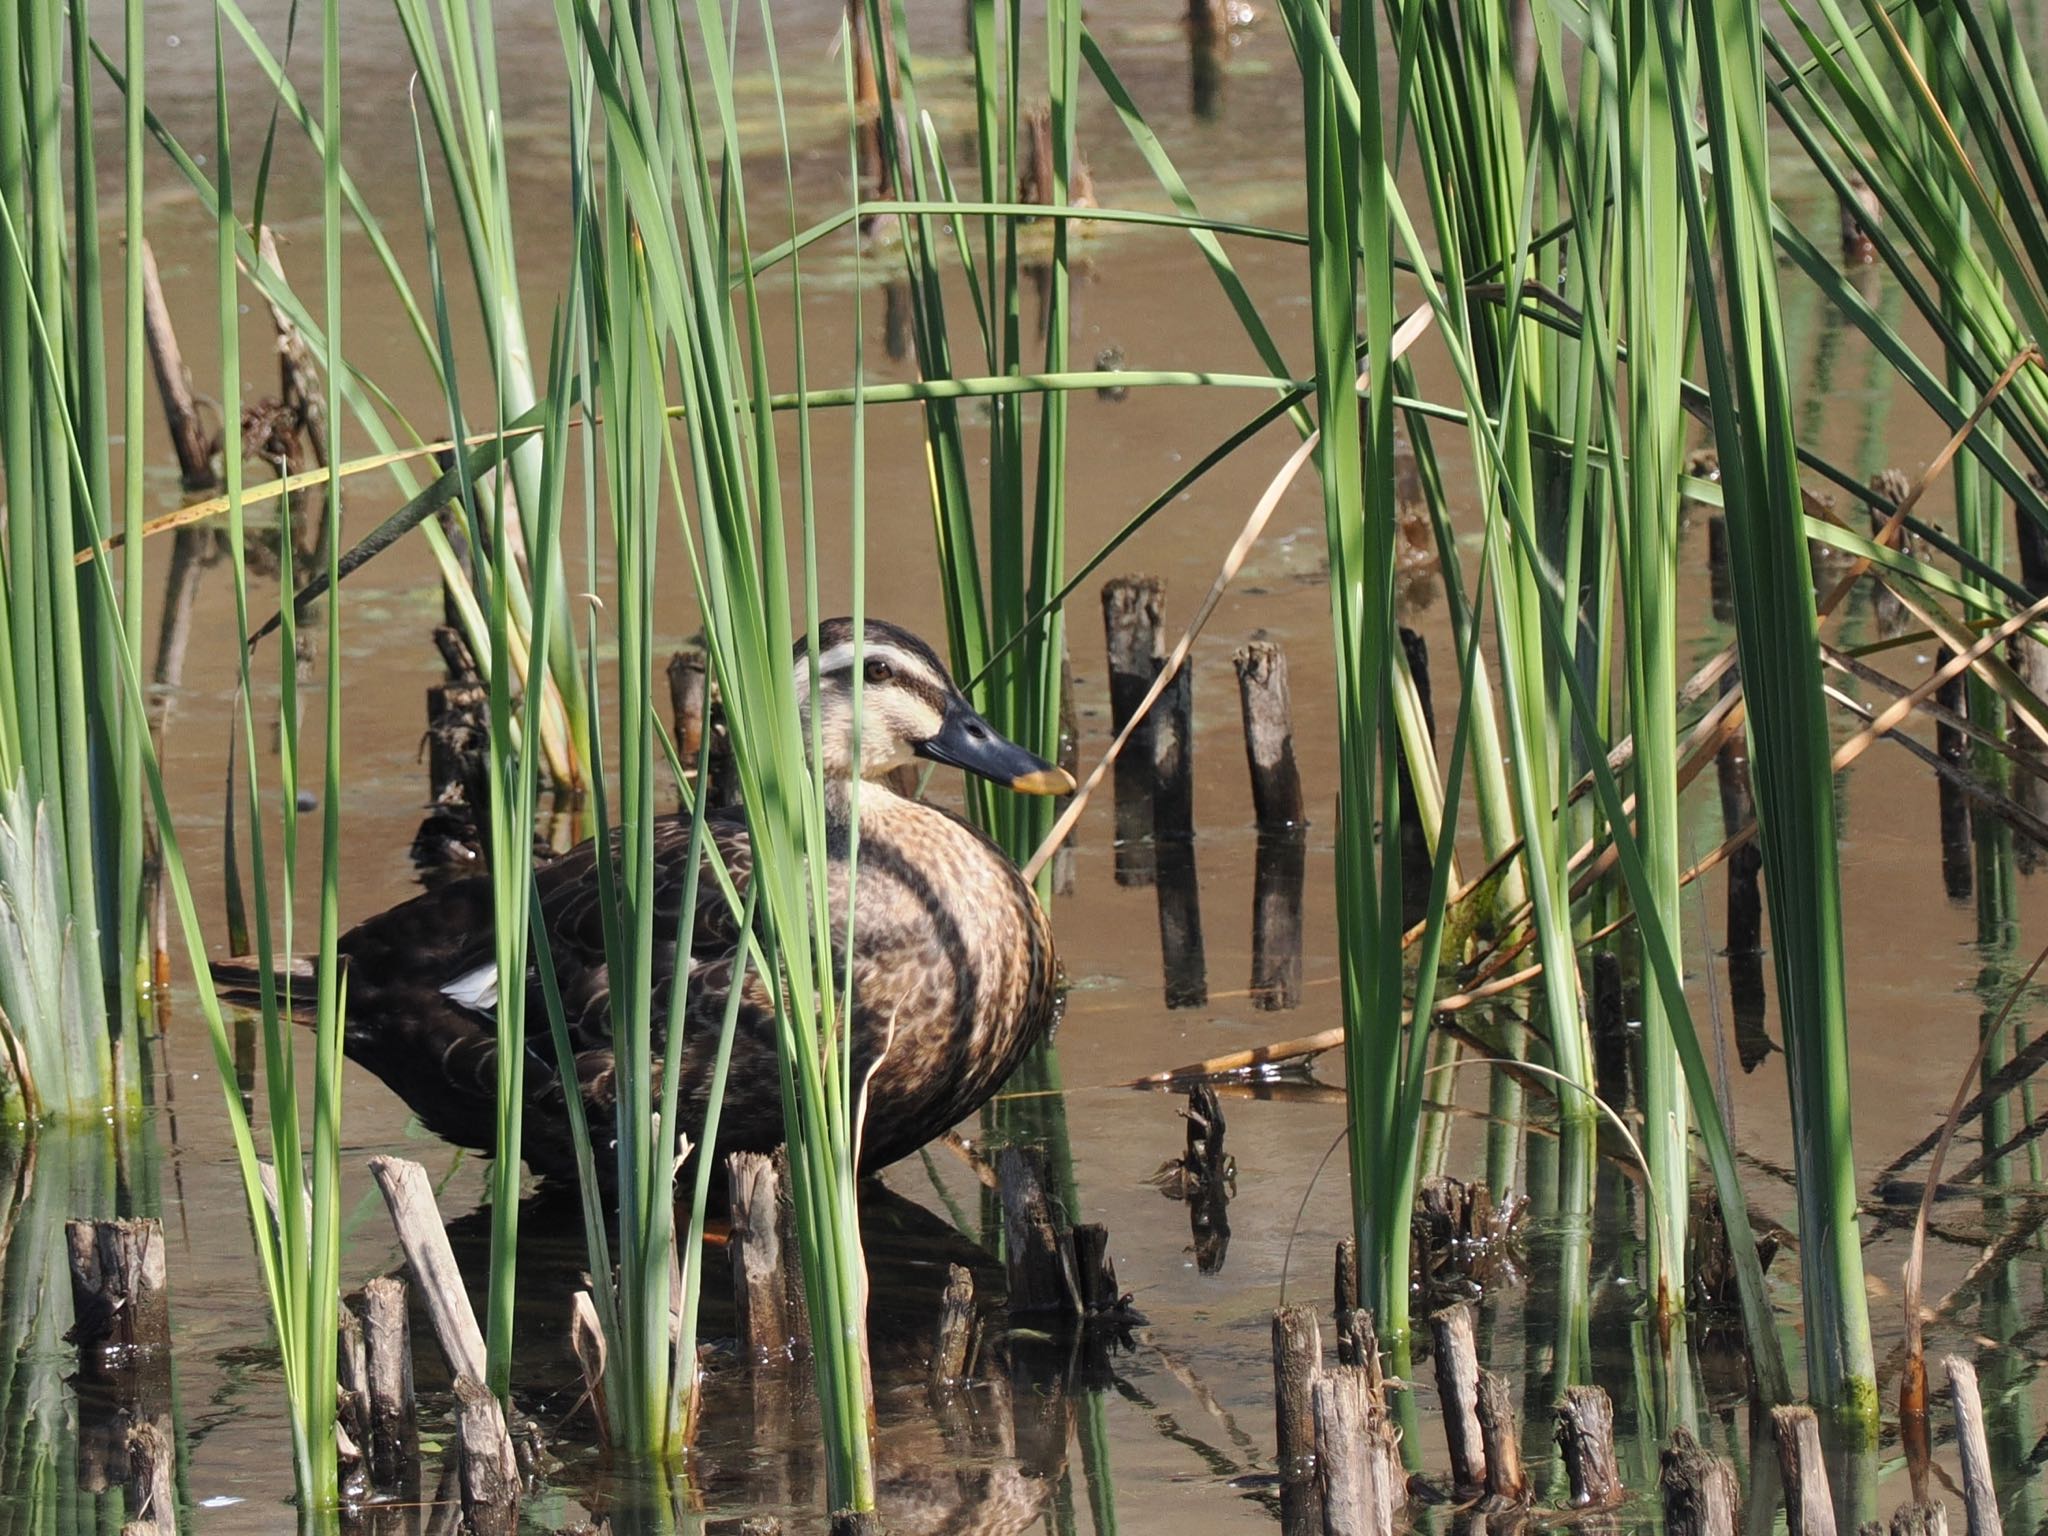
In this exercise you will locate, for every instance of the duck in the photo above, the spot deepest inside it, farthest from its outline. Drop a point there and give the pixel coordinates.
(954, 972)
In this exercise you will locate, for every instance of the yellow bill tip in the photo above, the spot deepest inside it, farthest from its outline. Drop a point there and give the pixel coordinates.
(1044, 781)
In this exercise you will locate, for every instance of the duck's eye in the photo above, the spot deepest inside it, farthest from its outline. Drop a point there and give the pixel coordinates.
(877, 670)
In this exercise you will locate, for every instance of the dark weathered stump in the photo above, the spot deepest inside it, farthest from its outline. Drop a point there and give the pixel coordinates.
(760, 1288)
(1457, 1383)
(1297, 1361)
(1267, 707)
(387, 1351)
(1279, 872)
(1809, 1505)
(1345, 1286)
(1132, 610)
(352, 1388)
(1352, 1465)
(1973, 1449)
(118, 1294)
(1035, 1248)
(1173, 757)
(1700, 1494)
(1585, 1436)
(1184, 967)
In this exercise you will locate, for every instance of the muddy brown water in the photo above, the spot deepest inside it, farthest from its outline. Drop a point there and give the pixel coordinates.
(1175, 1433)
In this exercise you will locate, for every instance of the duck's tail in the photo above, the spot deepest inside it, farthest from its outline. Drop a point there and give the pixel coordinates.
(239, 983)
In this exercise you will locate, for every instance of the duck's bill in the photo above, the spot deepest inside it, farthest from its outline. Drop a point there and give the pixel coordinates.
(968, 742)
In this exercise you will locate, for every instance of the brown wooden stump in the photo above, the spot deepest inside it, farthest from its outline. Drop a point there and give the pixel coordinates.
(1133, 608)
(1457, 1383)
(490, 1471)
(1809, 1505)
(1507, 1481)
(387, 1350)
(1352, 1465)
(1268, 711)
(1297, 1361)
(1700, 1494)
(1585, 1436)
(118, 1294)
(1173, 758)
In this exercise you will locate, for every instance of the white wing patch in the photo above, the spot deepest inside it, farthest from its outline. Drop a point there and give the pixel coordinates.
(476, 990)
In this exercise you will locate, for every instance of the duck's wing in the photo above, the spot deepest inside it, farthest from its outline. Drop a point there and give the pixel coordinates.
(572, 902)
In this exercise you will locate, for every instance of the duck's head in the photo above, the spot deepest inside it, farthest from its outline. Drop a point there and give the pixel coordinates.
(909, 709)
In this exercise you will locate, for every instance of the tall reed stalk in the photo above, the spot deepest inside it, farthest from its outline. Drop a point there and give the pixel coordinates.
(1778, 642)
(72, 830)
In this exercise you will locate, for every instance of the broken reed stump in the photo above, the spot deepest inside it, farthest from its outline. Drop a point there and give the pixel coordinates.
(152, 1490)
(1268, 711)
(1809, 1504)
(953, 1341)
(387, 1352)
(1701, 1497)
(1036, 1258)
(1354, 1470)
(1297, 1362)
(118, 1294)
(1507, 1480)
(409, 1196)
(1133, 608)
(490, 1471)
(1980, 1498)
(1452, 1331)
(1585, 1437)
(760, 1286)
